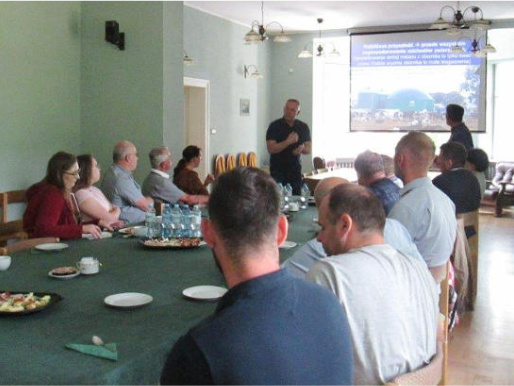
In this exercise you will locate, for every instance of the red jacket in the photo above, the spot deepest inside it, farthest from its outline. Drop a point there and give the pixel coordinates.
(48, 215)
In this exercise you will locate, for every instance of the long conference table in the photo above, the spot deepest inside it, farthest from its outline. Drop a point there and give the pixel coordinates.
(32, 346)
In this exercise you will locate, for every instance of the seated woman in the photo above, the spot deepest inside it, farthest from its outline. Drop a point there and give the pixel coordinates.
(184, 175)
(91, 201)
(51, 206)
(477, 161)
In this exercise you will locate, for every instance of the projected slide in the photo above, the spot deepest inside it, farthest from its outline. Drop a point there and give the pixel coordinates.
(403, 82)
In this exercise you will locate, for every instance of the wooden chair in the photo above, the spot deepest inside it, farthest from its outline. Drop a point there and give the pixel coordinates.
(252, 159)
(430, 374)
(11, 229)
(231, 162)
(219, 165)
(471, 226)
(242, 160)
(444, 307)
(27, 244)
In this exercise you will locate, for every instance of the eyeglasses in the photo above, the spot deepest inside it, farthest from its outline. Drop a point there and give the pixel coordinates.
(74, 174)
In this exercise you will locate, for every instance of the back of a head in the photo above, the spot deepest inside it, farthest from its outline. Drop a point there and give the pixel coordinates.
(420, 149)
(158, 155)
(388, 164)
(57, 166)
(244, 208)
(121, 150)
(455, 112)
(325, 186)
(455, 152)
(479, 158)
(367, 164)
(85, 162)
(361, 204)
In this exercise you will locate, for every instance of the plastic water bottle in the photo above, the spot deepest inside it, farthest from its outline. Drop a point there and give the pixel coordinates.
(166, 226)
(187, 221)
(149, 220)
(197, 221)
(176, 221)
(280, 189)
(288, 190)
(305, 194)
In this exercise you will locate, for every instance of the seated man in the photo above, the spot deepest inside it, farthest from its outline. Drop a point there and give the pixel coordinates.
(389, 170)
(395, 235)
(455, 180)
(269, 328)
(120, 187)
(477, 162)
(426, 212)
(391, 299)
(159, 185)
(370, 173)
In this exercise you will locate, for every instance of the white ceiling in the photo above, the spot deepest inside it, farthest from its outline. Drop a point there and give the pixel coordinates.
(301, 15)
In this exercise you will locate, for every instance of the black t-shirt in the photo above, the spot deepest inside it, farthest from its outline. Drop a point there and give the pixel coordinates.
(462, 187)
(278, 131)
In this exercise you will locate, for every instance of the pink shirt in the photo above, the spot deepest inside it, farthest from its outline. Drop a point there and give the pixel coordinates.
(96, 194)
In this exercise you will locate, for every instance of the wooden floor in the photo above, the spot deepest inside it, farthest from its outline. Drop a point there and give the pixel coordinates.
(481, 350)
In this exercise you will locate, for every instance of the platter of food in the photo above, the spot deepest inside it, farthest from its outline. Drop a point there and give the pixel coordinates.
(64, 273)
(131, 231)
(22, 302)
(184, 243)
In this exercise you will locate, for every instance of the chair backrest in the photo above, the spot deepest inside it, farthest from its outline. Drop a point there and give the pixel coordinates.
(504, 173)
(29, 243)
(219, 165)
(430, 374)
(11, 229)
(231, 162)
(252, 159)
(241, 159)
(319, 163)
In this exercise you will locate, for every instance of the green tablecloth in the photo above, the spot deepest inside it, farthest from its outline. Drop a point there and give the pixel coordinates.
(32, 346)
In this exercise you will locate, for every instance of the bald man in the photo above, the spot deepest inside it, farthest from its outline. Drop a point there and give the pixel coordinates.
(426, 212)
(395, 235)
(120, 187)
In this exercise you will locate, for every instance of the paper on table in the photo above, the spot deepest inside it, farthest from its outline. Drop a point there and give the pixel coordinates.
(108, 351)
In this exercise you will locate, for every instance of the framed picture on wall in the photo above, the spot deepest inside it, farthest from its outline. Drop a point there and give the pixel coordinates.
(244, 107)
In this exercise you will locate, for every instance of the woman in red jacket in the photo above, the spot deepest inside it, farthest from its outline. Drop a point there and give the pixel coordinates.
(52, 209)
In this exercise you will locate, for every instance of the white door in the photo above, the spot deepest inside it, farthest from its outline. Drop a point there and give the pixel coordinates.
(196, 120)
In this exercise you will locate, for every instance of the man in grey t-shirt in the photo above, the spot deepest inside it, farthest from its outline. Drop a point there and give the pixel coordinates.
(391, 299)
(159, 185)
(120, 187)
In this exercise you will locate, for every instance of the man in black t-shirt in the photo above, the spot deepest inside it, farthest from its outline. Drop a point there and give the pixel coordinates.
(460, 132)
(286, 139)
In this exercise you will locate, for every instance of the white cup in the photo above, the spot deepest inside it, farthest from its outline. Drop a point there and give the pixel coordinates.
(294, 207)
(88, 265)
(5, 262)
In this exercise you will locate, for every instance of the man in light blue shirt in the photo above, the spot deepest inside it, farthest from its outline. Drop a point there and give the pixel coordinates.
(426, 212)
(395, 235)
(120, 187)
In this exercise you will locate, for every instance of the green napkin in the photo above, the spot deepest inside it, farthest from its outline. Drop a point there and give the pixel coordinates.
(108, 351)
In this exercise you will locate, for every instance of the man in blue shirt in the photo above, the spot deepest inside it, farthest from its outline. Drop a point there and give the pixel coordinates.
(460, 132)
(269, 328)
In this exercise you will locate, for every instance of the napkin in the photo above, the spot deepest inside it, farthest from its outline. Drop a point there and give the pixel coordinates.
(108, 351)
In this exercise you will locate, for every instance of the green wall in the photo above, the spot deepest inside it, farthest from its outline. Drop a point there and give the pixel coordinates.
(217, 46)
(39, 87)
(123, 93)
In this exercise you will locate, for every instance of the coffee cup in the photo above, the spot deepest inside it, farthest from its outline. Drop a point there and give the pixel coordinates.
(88, 265)
(5, 262)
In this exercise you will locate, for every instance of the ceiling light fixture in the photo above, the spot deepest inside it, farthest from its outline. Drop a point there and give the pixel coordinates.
(254, 74)
(305, 53)
(459, 20)
(187, 61)
(260, 33)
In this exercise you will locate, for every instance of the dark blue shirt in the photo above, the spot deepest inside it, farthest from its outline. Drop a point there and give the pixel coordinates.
(462, 187)
(387, 191)
(274, 329)
(462, 135)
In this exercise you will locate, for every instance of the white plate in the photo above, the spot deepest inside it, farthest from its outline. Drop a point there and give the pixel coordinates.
(204, 292)
(51, 247)
(105, 235)
(287, 244)
(64, 277)
(128, 300)
(130, 230)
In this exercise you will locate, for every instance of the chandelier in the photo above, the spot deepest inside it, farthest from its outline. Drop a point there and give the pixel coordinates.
(460, 22)
(305, 53)
(260, 33)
